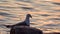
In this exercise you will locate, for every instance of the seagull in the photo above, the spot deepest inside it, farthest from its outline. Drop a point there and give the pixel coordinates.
(26, 22)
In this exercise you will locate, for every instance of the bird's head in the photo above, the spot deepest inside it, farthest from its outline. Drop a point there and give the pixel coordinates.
(29, 15)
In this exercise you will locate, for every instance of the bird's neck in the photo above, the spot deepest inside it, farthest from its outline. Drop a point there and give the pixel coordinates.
(27, 20)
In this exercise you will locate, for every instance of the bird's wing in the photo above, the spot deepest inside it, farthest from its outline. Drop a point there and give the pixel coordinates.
(20, 23)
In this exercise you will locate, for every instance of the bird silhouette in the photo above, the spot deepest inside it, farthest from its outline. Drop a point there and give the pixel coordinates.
(26, 22)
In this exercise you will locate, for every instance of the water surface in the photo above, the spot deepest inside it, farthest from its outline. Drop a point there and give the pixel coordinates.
(46, 14)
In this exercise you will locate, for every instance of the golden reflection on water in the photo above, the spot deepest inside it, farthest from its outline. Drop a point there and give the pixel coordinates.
(46, 15)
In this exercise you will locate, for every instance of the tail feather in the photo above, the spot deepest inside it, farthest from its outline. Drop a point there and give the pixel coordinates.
(8, 26)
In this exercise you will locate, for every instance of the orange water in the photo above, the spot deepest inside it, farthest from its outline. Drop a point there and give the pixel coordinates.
(46, 15)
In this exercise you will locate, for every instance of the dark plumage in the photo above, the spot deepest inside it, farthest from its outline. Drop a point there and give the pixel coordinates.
(26, 22)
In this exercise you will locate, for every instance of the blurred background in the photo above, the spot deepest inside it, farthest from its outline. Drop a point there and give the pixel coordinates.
(45, 14)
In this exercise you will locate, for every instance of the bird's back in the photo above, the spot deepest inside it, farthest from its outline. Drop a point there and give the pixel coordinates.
(20, 24)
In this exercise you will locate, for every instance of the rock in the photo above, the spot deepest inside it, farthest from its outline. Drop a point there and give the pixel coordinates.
(25, 30)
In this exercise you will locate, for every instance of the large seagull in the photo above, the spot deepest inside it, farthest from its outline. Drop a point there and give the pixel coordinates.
(26, 22)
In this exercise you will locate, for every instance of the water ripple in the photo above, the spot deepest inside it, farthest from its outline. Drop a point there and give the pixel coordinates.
(45, 15)
(54, 19)
(29, 1)
(7, 15)
(27, 8)
(56, 3)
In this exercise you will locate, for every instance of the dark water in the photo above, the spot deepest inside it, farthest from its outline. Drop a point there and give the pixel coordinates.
(46, 15)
